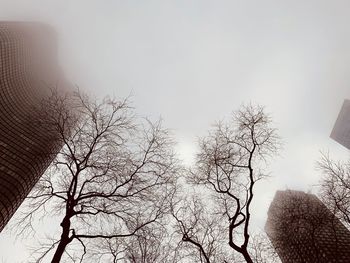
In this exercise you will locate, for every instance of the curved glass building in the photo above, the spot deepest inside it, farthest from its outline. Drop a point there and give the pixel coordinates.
(303, 230)
(28, 67)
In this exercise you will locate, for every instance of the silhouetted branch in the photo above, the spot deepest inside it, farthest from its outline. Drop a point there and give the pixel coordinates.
(111, 179)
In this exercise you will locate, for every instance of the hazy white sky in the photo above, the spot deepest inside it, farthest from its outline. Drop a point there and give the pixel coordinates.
(193, 62)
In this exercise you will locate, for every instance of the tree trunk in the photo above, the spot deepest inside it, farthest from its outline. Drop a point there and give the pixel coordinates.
(65, 240)
(59, 251)
(246, 256)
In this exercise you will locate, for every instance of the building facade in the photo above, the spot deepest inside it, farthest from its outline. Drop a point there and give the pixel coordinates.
(27, 67)
(303, 230)
(341, 129)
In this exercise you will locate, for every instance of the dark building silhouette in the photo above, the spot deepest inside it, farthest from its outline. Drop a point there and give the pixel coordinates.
(303, 230)
(27, 67)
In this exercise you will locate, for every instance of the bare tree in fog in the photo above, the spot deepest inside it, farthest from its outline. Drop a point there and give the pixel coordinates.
(335, 187)
(202, 231)
(110, 181)
(151, 244)
(199, 230)
(262, 250)
(229, 165)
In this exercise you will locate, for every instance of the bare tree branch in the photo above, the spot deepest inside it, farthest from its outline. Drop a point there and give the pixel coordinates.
(111, 179)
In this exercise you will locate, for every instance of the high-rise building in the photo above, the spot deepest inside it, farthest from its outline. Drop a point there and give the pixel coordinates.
(341, 129)
(28, 67)
(303, 230)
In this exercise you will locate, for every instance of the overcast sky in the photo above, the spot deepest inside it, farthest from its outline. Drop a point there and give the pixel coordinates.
(194, 62)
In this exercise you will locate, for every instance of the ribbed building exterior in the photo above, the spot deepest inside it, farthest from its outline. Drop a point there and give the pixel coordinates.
(303, 230)
(27, 66)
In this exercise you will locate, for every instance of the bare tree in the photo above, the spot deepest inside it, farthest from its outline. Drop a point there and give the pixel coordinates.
(229, 165)
(199, 230)
(111, 179)
(151, 244)
(262, 250)
(335, 186)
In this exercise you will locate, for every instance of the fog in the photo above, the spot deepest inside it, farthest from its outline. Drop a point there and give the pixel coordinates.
(192, 63)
